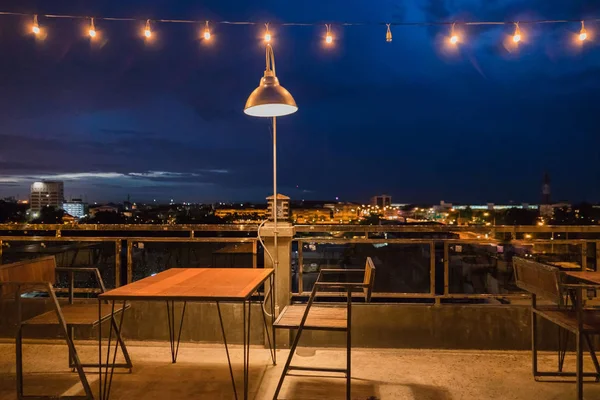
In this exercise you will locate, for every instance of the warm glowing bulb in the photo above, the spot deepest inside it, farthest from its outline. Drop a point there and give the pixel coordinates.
(329, 38)
(517, 37)
(207, 34)
(267, 37)
(36, 29)
(147, 31)
(454, 39)
(92, 30)
(582, 36)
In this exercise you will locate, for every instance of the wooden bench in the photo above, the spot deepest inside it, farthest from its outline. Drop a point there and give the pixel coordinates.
(326, 318)
(548, 282)
(40, 275)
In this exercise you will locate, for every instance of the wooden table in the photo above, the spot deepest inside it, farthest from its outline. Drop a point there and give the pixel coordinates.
(588, 277)
(567, 265)
(193, 285)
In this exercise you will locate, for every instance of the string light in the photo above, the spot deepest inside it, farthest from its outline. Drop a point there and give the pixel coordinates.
(147, 31)
(267, 34)
(328, 37)
(454, 38)
(583, 33)
(517, 35)
(92, 30)
(453, 35)
(36, 27)
(206, 32)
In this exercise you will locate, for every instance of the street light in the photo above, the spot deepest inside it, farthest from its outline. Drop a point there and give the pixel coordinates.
(271, 100)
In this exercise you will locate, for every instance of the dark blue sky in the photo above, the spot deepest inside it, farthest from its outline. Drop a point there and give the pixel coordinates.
(408, 118)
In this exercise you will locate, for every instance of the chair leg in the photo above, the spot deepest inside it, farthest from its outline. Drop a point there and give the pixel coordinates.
(70, 344)
(593, 355)
(579, 369)
(349, 348)
(534, 363)
(19, 357)
(287, 363)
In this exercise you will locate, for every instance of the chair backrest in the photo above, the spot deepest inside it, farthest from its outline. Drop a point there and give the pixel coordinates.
(41, 269)
(369, 278)
(537, 278)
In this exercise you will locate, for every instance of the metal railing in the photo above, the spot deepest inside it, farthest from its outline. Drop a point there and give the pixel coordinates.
(441, 265)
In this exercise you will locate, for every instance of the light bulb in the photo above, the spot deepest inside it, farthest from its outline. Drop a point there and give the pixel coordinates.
(267, 37)
(517, 36)
(206, 32)
(329, 38)
(388, 34)
(92, 30)
(36, 27)
(147, 31)
(454, 39)
(582, 33)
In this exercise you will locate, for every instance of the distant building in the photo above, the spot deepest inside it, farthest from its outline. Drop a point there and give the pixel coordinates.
(546, 190)
(46, 193)
(242, 214)
(75, 208)
(381, 201)
(312, 215)
(103, 208)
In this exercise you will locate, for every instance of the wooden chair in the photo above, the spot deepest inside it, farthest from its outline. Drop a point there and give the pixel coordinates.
(547, 281)
(40, 275)
(325, 318)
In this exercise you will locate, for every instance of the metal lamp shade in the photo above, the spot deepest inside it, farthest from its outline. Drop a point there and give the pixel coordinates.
(270, 99)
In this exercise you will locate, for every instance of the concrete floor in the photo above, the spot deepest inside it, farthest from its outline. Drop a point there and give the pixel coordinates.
(202, 373)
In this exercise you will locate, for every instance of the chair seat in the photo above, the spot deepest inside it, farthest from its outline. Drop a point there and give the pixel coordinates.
(319, 318)
(568, 319)
(76, 314)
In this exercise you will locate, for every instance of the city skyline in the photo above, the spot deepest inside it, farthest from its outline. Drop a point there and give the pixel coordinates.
(164, 120)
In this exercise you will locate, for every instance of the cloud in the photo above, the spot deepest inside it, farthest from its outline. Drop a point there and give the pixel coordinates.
(114, 178)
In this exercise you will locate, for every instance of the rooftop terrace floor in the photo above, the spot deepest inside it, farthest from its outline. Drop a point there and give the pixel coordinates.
(202, 373)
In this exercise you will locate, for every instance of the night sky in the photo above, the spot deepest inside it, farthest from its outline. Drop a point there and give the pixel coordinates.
(408, 118)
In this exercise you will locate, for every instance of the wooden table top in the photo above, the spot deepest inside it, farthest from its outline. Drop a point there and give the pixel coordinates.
(194, 284)
(590, 277)
(567, 265)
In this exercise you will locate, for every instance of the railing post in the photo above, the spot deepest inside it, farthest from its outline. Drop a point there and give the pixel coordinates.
(0, 252)
(283, 273)
(117, 262)
(300, 267)
(584, 256)
(255, 254)
(597, 256)
(129, 260)
(432, 270)
(446, 269)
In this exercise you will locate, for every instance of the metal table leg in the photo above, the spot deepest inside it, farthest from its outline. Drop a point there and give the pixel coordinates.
(104, 388)
(171, 323)
(227, 350)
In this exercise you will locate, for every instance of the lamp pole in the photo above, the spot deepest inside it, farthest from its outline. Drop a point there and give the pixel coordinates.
(275, 232)
(271, 100)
